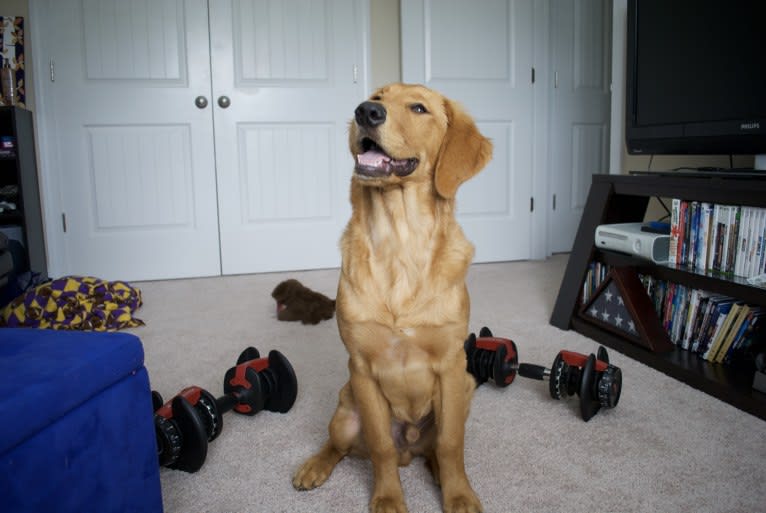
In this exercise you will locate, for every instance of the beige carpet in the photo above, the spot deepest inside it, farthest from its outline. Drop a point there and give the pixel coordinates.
(666, 447)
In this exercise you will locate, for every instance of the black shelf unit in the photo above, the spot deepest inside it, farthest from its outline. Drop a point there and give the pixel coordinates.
(20, 169)
(624, 198)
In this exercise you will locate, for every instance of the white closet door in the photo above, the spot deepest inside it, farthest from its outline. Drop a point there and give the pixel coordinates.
(143, 175)
(127, 156)
(480, 53)
(287, 67)
(581, 48)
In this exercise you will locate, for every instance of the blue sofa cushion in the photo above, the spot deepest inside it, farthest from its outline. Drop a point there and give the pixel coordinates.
(46, 373)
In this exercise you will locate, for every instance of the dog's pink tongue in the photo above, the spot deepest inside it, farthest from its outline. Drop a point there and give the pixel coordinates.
(372, 158)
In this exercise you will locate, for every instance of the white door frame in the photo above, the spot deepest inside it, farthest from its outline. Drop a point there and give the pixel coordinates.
(543, 173)
(50, 183)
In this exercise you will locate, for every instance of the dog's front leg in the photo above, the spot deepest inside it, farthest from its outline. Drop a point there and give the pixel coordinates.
(452, 406)
(375, 413)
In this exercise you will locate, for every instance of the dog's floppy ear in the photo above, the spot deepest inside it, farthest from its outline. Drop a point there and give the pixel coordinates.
(464, 151)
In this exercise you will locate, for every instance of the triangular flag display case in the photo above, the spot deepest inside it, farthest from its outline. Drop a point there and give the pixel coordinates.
(622, 306)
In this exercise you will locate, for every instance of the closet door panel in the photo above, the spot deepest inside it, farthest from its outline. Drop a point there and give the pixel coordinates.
(481, 55)
(283, 167)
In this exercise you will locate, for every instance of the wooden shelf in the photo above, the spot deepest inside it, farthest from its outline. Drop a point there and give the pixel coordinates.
(20, 169)
(733, 286)
(620, 199)
(728, 384)
(9, 219)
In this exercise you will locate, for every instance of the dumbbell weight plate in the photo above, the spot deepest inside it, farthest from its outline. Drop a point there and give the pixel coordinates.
(589, 403)
(610, 387)
(283, 397)
(248, 354)
(169, 441)
(602, 354)
(497, 367)
(558, 381)
(157, 401)
(194, 437)
(211, 418)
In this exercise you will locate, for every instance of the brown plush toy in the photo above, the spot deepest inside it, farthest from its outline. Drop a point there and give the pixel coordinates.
(295, 302)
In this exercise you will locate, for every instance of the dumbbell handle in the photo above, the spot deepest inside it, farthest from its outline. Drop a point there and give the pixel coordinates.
(227, 402)
(532, 371)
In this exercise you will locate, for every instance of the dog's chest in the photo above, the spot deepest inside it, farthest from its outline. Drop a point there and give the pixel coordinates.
(405, 375)
(400, 264)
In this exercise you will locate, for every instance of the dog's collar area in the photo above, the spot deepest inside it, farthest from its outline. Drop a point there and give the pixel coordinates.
(375, 163)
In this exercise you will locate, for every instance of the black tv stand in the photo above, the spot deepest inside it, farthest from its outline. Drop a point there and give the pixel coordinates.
(707, 172)
(621, 199)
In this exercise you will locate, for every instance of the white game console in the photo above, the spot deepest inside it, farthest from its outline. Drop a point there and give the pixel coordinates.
(628, 238)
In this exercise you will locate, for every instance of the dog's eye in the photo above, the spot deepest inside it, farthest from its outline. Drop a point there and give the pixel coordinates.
(376, 98)
(418, 108)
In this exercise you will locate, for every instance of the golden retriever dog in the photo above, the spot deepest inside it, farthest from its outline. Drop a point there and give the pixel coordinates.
(402, 305)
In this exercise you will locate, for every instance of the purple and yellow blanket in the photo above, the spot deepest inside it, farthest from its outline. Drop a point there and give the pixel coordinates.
(75, 303)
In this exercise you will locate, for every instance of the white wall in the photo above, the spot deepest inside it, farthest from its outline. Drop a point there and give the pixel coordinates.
(617, 122)
(385, 43)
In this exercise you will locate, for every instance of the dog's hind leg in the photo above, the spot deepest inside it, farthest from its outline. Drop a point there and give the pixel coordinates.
(345, 436)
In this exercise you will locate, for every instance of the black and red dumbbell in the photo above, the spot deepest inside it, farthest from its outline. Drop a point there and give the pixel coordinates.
(189, 421)
(491, 358)
(592, 378)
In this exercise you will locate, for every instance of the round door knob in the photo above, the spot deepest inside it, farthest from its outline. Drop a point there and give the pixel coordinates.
(224, 102)
(200, 102)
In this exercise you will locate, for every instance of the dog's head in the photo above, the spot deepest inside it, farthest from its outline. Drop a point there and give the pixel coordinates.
(412, 133)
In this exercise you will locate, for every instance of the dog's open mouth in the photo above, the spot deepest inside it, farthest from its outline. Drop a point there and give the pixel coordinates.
(374, 162)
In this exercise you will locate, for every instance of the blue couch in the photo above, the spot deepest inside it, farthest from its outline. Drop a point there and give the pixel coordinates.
(77, 430)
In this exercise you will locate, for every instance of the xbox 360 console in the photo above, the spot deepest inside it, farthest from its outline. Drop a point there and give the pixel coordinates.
(629, 238)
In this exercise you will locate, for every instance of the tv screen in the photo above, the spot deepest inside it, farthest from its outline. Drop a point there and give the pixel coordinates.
(696, 77)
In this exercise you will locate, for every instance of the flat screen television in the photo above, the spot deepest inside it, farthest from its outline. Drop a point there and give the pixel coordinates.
(696, 77)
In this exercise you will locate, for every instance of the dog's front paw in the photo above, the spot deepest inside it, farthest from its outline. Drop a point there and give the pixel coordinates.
(467, 503)
(388, 505)
(313, 473)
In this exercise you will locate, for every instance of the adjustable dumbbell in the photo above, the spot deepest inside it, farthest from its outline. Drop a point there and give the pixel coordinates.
(258, 383)
(593, 378)
(492, 358)
(189, 421)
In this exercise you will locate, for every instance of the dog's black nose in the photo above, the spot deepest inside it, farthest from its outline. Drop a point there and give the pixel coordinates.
(370, 114)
